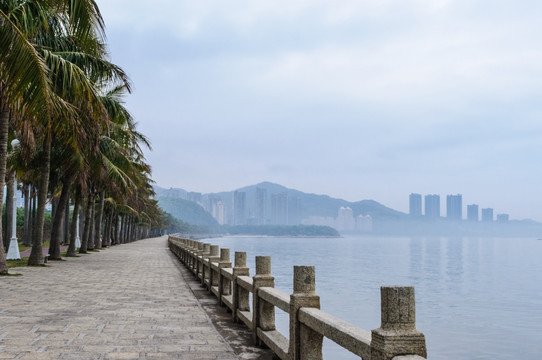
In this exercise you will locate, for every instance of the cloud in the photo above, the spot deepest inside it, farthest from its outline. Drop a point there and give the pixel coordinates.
(354, 98)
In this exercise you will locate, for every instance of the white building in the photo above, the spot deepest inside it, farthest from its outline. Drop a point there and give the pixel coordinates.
(345, 219)
(219, 212)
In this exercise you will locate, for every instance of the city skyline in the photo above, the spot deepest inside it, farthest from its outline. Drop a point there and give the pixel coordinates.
(454, 209)
(278, 208)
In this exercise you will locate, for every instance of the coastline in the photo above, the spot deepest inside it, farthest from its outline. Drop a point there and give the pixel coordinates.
(260, 236)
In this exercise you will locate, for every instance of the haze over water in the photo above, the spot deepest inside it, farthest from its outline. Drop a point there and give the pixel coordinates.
(476, 298)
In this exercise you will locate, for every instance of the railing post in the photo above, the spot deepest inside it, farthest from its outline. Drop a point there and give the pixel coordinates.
(397, 334)
(182, 250)
(263, 313)
(214, 256)
(204, 257)
(304, 342)
(190, 249)
(186, 244)
(240, 296)
(224, 285)
(199, 253)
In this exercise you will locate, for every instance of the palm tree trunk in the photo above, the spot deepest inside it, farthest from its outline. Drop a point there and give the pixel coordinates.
(4, 122)
(130, 229)
(56, 233)
(84, 241)
(112, 218)
(116, 224)
(26, 234)
(66, 237)
(36, 255)
(90, 241)
(127, 229)
(73, 225)
(32, 223)
(98, 220)
(107, 230)
(121, 230)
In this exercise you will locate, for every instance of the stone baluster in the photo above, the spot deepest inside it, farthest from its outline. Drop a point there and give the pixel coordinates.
(304, 342)
(199, 253)
(397, 334)
(263, 313)
(193, 256)
(240, 296)
(188, 251)
(214, 256)
(224, 284)
(204, 257)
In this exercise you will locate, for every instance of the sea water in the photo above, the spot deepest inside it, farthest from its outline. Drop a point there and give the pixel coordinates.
(476, 298)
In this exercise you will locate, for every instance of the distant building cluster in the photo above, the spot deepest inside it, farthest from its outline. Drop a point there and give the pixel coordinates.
(454, 209)
(251, 209)
(344, 222)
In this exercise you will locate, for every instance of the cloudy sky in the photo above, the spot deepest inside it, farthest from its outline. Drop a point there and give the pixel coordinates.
(352, 98)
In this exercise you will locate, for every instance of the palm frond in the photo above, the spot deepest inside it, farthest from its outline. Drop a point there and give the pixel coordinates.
(24, 73)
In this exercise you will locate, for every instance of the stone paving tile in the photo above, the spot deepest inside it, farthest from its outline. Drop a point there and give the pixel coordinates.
(125, 302)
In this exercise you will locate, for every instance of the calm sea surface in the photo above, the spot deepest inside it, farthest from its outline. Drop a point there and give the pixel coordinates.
(476, 298)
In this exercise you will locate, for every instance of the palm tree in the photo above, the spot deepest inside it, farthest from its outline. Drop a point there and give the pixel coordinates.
(53, 69)
(25, 85)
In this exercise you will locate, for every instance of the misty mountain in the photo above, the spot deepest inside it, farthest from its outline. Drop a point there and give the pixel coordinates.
(185, 210)
(310, 204)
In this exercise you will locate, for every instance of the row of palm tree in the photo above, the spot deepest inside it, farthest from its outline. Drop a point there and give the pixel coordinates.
(63, 98)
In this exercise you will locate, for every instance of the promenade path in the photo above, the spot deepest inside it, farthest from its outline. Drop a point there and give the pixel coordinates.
(125, 302)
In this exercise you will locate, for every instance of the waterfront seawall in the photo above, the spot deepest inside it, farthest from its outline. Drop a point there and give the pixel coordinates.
(397, 338)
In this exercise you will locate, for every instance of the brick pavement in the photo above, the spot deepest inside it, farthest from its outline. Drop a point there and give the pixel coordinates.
(125, 302)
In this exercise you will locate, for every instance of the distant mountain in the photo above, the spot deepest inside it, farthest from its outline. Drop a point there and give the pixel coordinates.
(171, 192)
(185, 210)
(310, 204)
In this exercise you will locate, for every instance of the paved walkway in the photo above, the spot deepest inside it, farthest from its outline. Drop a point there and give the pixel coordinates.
(125, 302)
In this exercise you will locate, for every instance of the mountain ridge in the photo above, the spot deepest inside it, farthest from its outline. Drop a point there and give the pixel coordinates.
(311, 204)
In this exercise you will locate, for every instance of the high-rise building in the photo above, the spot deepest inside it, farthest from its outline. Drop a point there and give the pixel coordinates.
(454, 207)
(472, 213)
(487, 215)
(415, 205)
(209, 202)
(432, 206)
(279, 208)
(259, 205)
(294, 210)
(345, 219)
(503, 218)
(220, 211)
(239, 208)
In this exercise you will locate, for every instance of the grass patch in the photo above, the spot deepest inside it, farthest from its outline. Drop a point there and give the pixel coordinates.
(11, 274)
(17, 263)
(23, 247)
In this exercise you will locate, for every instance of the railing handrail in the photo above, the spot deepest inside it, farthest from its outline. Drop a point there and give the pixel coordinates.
(275, 297)
(350, 337)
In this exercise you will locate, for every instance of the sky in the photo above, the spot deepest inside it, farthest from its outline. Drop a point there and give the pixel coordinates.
(351, 98)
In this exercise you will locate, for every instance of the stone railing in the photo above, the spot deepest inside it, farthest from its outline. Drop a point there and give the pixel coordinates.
(397, 338)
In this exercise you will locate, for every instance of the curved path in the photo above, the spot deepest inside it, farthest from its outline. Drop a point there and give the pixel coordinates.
(125, 302)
